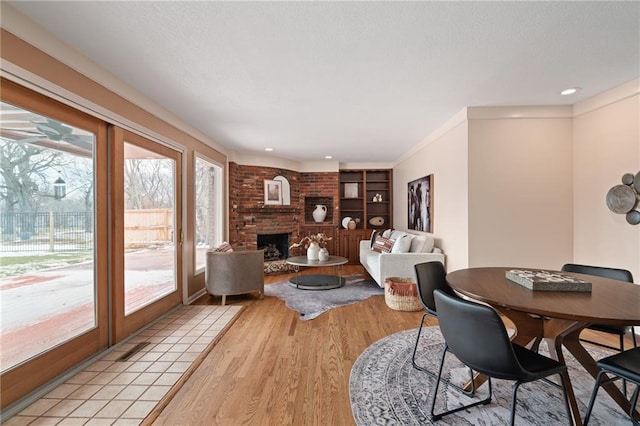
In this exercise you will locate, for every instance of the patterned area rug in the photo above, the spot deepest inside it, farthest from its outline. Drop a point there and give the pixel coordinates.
(386, 389)
(311, 303)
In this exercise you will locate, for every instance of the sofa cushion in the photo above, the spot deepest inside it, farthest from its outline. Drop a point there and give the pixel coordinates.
(402, 244)
(421, 244)
(387, 233)
(382, 245)
(395, 234)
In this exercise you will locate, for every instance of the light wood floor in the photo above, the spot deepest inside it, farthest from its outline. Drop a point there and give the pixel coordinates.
(271, 368)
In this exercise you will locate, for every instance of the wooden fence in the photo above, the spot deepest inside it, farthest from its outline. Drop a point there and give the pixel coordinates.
(150, 226)
(73, 231)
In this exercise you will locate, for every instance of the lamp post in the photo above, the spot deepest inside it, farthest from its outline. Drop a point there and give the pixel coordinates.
(59, 188)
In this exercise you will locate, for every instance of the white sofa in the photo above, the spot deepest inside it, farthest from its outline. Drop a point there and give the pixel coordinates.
(399, 263)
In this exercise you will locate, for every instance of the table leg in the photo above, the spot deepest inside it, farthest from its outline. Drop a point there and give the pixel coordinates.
(556, 332)
(297, 269)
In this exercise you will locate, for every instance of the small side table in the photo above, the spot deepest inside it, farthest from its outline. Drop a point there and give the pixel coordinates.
(317, 281)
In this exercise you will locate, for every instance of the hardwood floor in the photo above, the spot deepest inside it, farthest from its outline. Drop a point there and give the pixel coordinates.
(271, 368)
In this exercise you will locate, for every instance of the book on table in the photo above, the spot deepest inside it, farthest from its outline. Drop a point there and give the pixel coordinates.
(536, 279)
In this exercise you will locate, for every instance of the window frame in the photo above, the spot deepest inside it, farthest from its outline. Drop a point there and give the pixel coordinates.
(219, 194)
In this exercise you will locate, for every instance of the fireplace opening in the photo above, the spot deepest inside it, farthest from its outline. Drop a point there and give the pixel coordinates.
(276, 246)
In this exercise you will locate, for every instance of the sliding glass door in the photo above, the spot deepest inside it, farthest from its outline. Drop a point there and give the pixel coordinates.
(147, 231)
(90, 237)
(53, 239)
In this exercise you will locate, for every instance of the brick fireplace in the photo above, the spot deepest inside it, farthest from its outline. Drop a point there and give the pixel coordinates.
(250, 217)
(275, 246)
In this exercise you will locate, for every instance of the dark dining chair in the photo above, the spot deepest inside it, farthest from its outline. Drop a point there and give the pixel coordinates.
(431, 276)
(614, 274)
(624, 365)
(477, 336)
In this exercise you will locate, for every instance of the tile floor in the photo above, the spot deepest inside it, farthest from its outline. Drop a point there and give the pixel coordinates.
(110, 392)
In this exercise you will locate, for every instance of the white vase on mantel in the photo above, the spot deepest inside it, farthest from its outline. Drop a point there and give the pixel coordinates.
(323, 254)
(313, 251)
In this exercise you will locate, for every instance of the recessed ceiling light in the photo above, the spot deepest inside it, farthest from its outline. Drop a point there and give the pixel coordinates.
(268, 149)
(569, 91)
(328, 157)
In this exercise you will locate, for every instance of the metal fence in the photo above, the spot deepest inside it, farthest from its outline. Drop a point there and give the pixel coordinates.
(46, 231)
(73, 231)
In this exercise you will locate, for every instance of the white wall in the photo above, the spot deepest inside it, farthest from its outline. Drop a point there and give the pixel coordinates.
(502, 186)
(527, 186)
(520, 189)
(444, 156)
(606, 145)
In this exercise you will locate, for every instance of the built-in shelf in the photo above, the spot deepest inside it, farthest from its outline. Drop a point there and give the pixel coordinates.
(357, 191)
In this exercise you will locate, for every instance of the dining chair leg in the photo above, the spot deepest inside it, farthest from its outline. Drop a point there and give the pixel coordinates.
(593, 398)
(624, 382)
(514, 398)
(436, 417)
(634, 402)
(431, 373)
(565, 396)
(415, 348)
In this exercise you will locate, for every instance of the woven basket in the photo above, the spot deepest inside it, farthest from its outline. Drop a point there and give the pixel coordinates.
(401, 294)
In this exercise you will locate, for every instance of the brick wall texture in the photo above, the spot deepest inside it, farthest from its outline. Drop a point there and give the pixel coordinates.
(249, 216)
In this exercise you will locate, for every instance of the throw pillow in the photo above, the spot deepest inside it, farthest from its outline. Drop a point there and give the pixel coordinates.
(428, 245)
(421, 244)
(396, 234)
(387, 233)
(383, 245)
(402, 244)
(224, 247)
(417, 243)
(374, 234)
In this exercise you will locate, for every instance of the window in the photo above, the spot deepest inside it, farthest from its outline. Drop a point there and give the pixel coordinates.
(209, 231)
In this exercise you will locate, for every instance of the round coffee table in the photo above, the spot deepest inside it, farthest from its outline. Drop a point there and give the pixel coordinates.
(317, 281)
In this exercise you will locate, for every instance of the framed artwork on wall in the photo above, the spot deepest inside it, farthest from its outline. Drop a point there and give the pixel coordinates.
(420, 208)
(350, 190)
(272, 192)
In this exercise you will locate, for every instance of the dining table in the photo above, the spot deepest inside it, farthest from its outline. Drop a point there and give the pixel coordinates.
(556, 317)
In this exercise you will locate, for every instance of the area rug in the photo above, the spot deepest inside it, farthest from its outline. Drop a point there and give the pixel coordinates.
(311, 303)
(385, 389)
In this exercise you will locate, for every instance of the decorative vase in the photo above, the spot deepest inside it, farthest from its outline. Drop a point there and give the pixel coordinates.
(323, 254)
(320, 213)
(313, 251)
(351, 225)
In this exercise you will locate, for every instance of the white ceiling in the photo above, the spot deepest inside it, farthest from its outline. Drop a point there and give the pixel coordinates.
(362, 81)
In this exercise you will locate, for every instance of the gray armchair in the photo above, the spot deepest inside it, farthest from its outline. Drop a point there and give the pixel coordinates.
(235, 272)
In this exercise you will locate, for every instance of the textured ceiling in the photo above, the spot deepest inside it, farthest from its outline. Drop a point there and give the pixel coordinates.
(362, 81)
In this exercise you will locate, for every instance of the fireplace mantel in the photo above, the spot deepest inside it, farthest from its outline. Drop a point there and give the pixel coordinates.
(268, 209)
